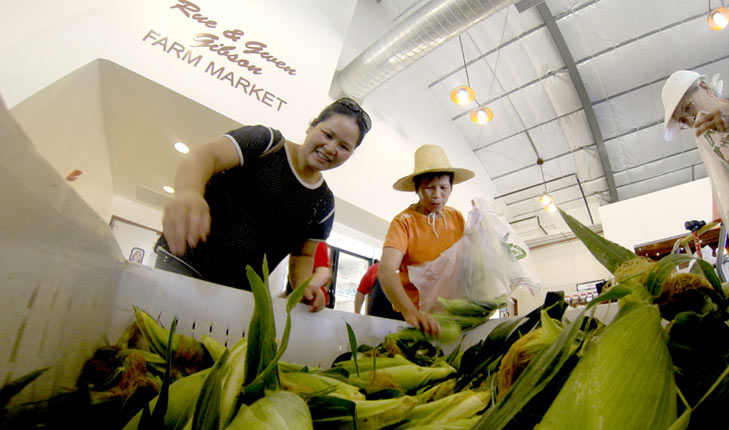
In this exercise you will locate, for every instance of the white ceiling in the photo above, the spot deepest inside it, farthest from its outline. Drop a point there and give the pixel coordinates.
(623, 50)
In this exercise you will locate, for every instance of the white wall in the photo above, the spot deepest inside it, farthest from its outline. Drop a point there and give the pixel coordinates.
(136, 212)
(139, 35)
(657, 216)
(561, 267)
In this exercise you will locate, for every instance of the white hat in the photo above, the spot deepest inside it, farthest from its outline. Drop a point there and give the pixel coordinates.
(673, 91)
(431, 159)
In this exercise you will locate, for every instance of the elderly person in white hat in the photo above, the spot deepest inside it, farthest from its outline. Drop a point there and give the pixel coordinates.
(689, 101)
(421, 232)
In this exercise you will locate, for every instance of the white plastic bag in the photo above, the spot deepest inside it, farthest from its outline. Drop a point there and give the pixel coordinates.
(438, 278)
(488, 262)
(498, 261)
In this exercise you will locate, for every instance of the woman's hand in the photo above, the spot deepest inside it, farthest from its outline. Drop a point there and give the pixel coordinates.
(716, 120)
(186, 221)
(314, 297)
(423, 321)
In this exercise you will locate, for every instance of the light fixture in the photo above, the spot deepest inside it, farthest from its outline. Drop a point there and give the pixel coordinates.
(169, 189)
(718, 17)
(463, 94)
(481, 115)
(545, 199)
(181, 147)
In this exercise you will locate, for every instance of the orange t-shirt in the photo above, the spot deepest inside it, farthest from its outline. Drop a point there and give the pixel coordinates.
(411, 234)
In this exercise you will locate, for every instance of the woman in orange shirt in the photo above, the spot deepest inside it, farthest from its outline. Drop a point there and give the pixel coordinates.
(421, 232)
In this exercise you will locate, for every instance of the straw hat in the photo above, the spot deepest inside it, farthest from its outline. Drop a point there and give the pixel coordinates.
(671, 94)
(429, 159)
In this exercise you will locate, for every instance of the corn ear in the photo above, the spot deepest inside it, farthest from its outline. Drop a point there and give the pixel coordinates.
(366, 365)
(468, 307)
(182, 396)
(158, 336)
(313, 384)
(463, 404)
(406, 378)
(624, 380)
(377, 414)
(281, 410)
(437, 391)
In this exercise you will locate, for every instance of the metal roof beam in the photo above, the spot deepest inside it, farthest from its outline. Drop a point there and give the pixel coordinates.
(564, 51)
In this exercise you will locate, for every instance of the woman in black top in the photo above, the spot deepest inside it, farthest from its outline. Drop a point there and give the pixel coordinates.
(253, 193)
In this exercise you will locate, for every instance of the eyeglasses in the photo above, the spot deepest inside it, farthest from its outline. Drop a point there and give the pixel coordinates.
(356, 108)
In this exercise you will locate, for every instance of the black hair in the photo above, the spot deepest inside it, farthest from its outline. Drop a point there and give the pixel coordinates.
(349, 108)
(429, 176)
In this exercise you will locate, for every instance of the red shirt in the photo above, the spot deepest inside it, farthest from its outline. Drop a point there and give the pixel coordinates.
(321, 255)
(368, 280)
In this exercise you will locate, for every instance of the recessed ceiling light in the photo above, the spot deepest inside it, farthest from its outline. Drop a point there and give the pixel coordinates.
(181, 147)
(169, 189)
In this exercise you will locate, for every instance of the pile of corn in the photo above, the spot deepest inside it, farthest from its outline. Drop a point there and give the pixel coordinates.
(661, 363)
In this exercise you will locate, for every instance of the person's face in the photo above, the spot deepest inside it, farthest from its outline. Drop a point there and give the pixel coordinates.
(690, 106)
(434, 193)
(331, 142)
(685, 113)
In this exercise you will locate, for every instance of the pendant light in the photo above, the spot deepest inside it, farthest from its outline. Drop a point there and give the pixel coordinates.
(718, 18)
(463, 94)
(481, 115)
(545, 199)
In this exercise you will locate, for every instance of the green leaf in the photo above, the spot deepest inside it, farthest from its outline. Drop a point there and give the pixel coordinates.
(207, 407)
(264, 380)
(609, 254)
(710, 275)
(261, 338)
(161, 409)
(352, 346)
(14, 387)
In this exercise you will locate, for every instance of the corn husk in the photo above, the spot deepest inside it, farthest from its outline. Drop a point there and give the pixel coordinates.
(460, 405)
(405, 378)
(281, 410)
(314, 384)
(182, 396)
(624, 380)
(377, 414)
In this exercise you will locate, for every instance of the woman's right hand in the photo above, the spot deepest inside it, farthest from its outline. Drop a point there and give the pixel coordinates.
(186, 221)
(423, 321)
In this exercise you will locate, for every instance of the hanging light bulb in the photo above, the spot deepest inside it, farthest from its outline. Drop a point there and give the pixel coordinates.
(718, 18)
(481, 115)
(462, 95)
(551, 208)
(545, 199)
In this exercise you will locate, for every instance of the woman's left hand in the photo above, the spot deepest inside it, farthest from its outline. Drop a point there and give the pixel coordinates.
(716, 120)
(314, 297)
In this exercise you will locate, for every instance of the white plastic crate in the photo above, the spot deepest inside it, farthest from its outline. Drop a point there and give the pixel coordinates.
(67, 290)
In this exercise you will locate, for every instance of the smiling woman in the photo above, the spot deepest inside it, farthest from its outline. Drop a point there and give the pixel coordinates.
(252, 194)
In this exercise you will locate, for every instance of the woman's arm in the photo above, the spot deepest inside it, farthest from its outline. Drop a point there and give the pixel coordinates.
(395, 292)
(186, 219)
(301, 265)
(358, 302)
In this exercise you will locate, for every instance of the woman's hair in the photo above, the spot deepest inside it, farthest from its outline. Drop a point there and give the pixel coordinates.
(418, 179)
(347, 107)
